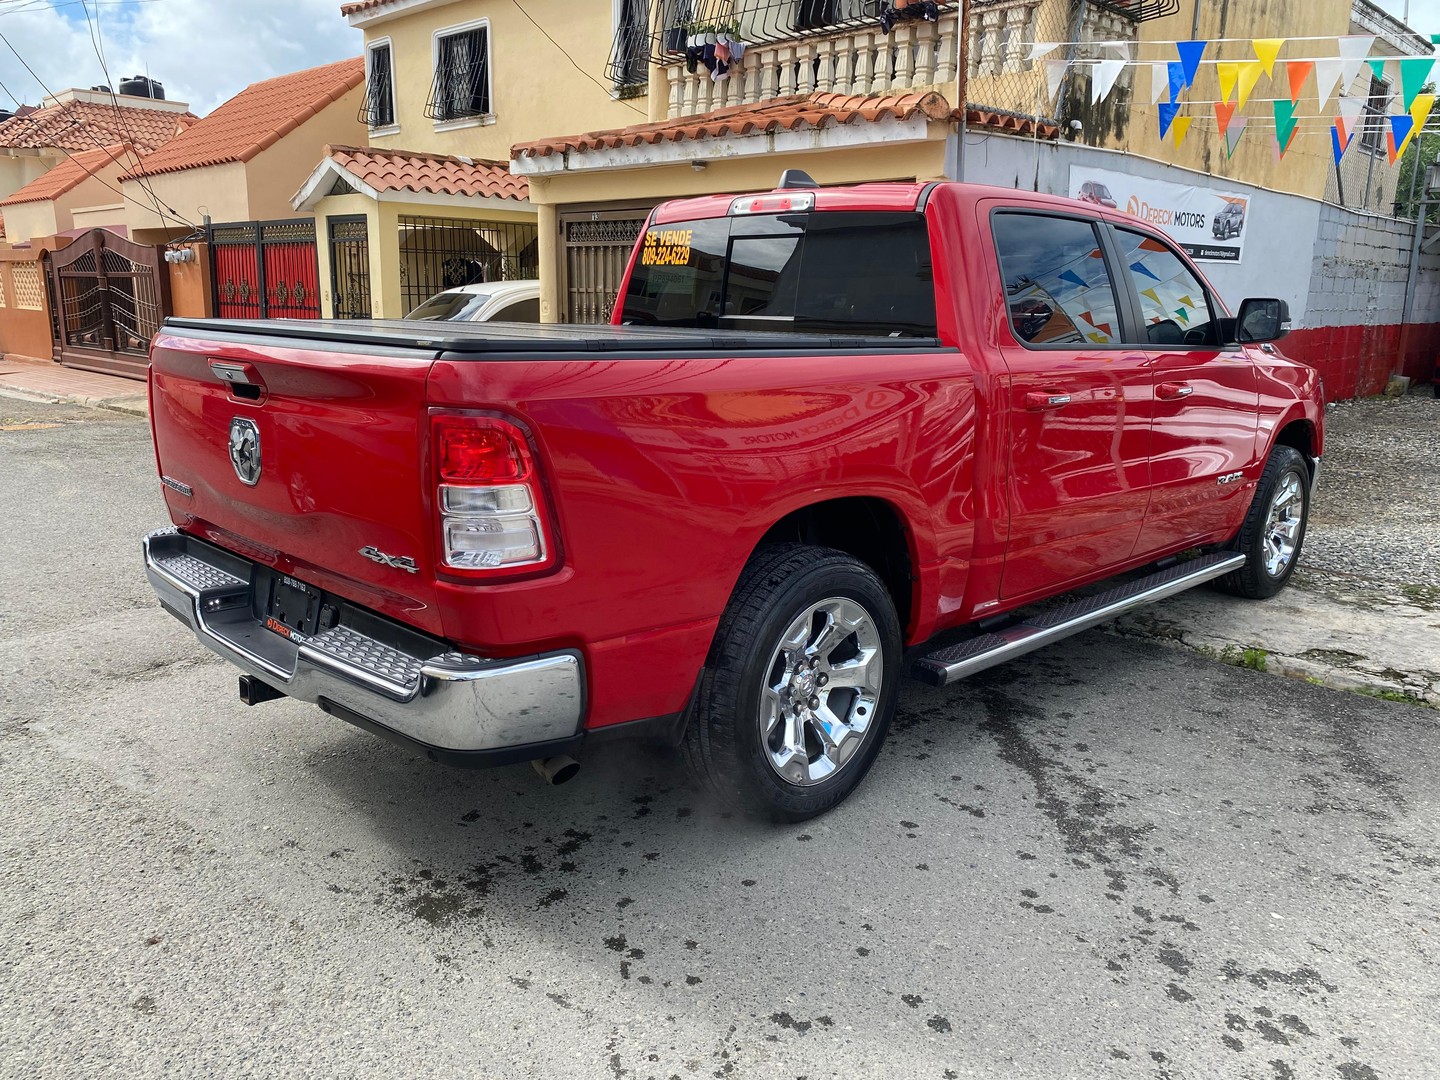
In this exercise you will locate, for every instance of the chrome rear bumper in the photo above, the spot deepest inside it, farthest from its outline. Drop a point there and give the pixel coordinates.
(445, 701)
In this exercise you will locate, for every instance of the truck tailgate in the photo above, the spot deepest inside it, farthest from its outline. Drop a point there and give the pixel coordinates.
(339, 498)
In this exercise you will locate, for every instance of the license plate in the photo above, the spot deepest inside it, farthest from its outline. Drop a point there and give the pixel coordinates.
(294, 607)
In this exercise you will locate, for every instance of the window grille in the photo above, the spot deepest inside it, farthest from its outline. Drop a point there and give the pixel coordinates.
(445, 253)
(462, 76)
(1372, 132)
(629, 67)
(378, 108)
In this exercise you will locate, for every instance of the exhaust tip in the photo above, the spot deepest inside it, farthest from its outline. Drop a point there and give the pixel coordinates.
(556, 770)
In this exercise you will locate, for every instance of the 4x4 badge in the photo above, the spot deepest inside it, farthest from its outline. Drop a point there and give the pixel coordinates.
(245, 450)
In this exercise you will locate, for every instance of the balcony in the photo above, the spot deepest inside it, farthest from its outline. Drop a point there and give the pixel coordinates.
(855, 60)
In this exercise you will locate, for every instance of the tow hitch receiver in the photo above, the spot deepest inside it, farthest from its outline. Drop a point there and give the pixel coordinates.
(253, 691)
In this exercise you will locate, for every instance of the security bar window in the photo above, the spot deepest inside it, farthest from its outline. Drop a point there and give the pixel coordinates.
(378, 110)
(1372, 132)
(462, 75)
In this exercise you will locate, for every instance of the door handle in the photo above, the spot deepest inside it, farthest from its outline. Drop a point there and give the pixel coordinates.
(1039, 400)
(1173, 391)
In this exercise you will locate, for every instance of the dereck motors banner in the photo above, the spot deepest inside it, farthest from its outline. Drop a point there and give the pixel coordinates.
(1210, 225)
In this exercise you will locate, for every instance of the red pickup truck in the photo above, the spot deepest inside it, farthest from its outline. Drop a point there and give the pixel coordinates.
(834, 436)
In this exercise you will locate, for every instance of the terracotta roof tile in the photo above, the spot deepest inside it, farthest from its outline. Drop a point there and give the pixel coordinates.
(402, 170)
(363, 5)
(70, 173)
(778, 114)
(1013, 123)
(89, 125)
(256, 118)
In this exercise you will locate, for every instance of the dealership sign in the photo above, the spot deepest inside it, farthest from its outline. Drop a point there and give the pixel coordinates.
(1209, 225)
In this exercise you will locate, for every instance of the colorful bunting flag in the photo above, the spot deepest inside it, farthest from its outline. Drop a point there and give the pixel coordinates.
(1159, 81)
(1420, 112)
(1414, 73)
(1335, 147)
(1177, 79)
(1182, 315)
(1249, 76)
(1229, 72)
(1042, 48)
(1353, 51)
(1377, 67)
(1151, 293)
(1055, 75)
(1073, 278)
(1140, 268)
(1181, 127)
(1284, 121)
(1121, 48)
(1401, 127)
(1298, 71)
(1223, 113)
(1167, 116)
(1348, 121)
(1233, 133)
(1266, 50)
(1327, 77)
(1190, 54)
(1102, 79)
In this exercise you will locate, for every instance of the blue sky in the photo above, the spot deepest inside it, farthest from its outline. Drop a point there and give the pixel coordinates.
(206, 50)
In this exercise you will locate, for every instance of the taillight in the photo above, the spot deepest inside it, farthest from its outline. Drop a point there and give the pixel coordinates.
(488, 494)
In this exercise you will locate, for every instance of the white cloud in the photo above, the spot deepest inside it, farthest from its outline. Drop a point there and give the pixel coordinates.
(203, 51)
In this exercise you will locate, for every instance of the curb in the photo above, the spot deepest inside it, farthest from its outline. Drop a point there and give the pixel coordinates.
(129, 404)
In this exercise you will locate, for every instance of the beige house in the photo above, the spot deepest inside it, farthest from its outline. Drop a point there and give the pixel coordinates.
(77, 194)
(451, 85)
(244, 160)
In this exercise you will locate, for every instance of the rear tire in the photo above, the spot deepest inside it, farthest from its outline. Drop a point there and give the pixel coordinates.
(800, 685)
(1274, 529)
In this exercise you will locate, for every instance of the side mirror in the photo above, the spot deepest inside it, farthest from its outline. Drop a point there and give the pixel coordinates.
(1262, 320)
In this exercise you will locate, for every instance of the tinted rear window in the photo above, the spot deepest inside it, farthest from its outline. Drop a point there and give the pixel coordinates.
(857, 272)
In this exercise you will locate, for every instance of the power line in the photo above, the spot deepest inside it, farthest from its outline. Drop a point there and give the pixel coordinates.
(573, 64)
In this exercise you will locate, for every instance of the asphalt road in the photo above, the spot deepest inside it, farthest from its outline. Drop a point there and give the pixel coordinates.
(1106, 860)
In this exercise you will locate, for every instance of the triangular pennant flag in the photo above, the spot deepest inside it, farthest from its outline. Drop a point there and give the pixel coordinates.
(1327, 77)
(1177, 79)
(1181, 127)
(1074, 278)
(1353, 51)
(1190, 54)
(1266, 50)
(1350, 110)
(1151, 293)
(1223, 113)
(1414, 71)
(1187, 301)
(1435, 39)
(1228, 71)
(1233, 133)
(1141, 268)
(1159, 81)
(1401, 127)
(1042, 48)
(1098, 339)
(1182, 315)
(1298, 71)
(1420, 112)
(1249, 76)
(1102, 79)
(1284, 121)
(1335, 147)
(1377, 67)
(1167, 116)
(1121, 48)
(1055, 75)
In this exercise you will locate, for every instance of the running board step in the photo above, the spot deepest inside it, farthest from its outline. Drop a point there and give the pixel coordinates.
(955, 662)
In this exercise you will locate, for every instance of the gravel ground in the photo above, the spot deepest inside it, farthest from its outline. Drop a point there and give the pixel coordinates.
(1374, 524)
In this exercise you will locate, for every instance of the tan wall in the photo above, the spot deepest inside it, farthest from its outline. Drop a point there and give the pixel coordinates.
(97, 217)
(190, 295)
(535, 89)
(221, 189)
(276, 173)
(25, 221)
(1303, 169)
(23, 331)
(18, 168)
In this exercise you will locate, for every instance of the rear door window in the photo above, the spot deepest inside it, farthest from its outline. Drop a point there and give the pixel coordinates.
(853, 272)
(1057, 286)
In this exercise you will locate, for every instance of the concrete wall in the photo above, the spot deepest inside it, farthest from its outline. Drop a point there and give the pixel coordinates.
(219, 188)
(276, 173)
(535, 90)
(190, 295)
(24, 323)
(19, 166)
(1343, 273)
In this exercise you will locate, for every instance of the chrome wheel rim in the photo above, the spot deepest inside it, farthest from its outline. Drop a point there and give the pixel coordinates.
(821, 691)
(1282, 524)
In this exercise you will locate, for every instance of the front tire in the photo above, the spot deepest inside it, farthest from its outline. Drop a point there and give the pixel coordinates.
(1274, 528)
(800, 685)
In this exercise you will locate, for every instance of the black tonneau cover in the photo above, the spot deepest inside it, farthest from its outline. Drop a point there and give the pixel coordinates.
(466, 338)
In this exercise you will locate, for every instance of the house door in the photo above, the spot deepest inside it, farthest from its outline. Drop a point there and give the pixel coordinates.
(111, 297)
(350, 267)
(265, 270)
(597, 250)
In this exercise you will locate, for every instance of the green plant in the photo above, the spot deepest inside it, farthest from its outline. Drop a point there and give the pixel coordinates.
(1254, 658)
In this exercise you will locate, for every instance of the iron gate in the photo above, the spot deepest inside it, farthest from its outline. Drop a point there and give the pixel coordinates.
(265, 270)
(350, 267)
(111, 295)
(597, 250)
